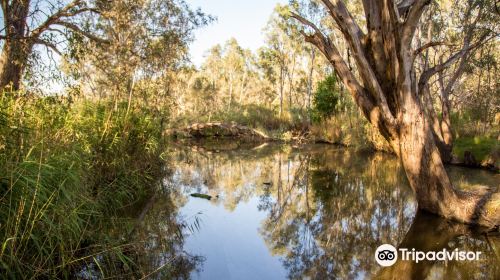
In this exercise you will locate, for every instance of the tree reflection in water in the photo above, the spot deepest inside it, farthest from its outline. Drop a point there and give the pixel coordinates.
(328, 209)
(152, 236)
(431, 233)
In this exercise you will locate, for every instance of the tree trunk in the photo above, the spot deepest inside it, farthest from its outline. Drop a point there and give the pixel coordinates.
(428, 178)
(290, 85)
(230, 91)
(310, 84)
(444, 146)
(281, 86)
(16, 47)
(388, 92)
(446, 129)
(12, 63)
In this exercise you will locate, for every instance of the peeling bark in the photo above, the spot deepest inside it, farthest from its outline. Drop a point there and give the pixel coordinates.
(389, 97)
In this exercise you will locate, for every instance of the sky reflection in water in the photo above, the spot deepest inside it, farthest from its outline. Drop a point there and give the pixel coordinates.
(316, 212)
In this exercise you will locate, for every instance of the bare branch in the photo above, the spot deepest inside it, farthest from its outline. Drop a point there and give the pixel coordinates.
(430, 45)
(306, 22)
(344, 19)
(467, 48)
(377, 115)
(333, 55)
(426, 75)
(354, 37)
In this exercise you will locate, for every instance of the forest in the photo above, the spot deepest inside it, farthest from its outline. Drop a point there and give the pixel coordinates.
(106, 126)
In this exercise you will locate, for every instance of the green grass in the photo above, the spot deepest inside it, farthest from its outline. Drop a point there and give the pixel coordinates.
(65, 169)
(479, 146)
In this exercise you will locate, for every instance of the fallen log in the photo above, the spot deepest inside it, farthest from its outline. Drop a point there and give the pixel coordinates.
(218, 130)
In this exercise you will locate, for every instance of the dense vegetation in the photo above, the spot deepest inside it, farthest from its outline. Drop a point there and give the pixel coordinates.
(65, 169)
(82, 135)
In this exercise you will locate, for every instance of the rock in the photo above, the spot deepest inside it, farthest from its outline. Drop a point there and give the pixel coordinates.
(492, 161)
(218, 130)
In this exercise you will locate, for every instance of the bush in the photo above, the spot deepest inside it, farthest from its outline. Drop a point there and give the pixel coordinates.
(326, 99)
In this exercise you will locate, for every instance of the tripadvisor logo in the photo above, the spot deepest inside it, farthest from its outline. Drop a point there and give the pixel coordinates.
(387, 255)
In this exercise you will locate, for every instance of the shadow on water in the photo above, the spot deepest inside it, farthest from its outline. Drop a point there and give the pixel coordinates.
(278, 211)
(153, 241)
(431, 233)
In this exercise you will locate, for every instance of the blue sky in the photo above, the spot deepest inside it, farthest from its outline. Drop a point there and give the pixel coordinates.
(241, 19)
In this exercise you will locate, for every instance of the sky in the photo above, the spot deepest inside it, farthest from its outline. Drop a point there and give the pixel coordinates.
(241, 19)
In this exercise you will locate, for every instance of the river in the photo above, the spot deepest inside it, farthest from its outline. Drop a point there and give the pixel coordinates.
(314, 212)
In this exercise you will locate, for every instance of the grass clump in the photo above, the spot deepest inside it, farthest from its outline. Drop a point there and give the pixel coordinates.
(64, 168)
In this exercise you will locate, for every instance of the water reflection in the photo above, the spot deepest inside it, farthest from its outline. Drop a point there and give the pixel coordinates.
(338, 207)
(150, 232)
(430, 233)
(316, 212)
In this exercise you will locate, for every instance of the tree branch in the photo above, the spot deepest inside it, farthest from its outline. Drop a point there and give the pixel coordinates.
(65, 12)
(426, 75)
(375, 113)
(48, 45)
(466, 49)
(344, 19)
(78, 30)
(411, 22)
(430, 45)
(333, 55)
(354, 37)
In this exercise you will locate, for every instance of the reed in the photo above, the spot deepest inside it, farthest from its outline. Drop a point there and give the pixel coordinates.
(65, 168)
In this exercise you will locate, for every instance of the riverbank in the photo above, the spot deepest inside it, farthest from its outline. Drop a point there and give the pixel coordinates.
(478, 152)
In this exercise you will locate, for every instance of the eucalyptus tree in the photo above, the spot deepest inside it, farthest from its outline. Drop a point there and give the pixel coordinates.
(286, 61)
(230, 70)
(387, 90)
(463, 28)
(274, 58)
(148, 40)
(28, 23)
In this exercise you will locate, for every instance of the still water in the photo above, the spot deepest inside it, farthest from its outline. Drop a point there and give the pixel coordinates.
(316, 212)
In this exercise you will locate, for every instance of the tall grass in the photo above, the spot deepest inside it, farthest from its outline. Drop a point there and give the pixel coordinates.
(64, 168)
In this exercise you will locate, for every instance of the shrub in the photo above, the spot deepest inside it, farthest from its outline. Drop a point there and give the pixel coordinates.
(326, 99)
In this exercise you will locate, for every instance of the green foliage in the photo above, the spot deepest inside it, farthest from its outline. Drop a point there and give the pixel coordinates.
(64, 170)
(326, 99)
(479, 146)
